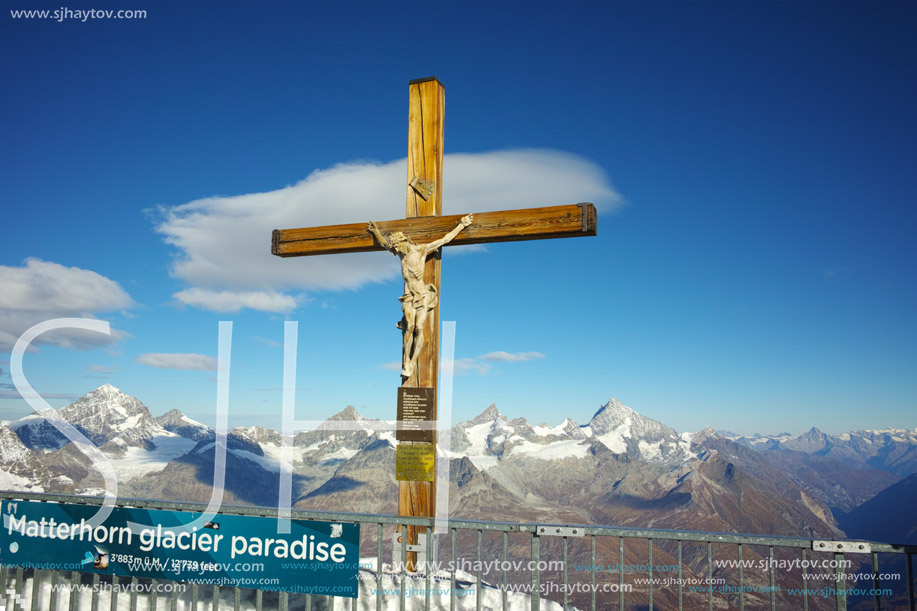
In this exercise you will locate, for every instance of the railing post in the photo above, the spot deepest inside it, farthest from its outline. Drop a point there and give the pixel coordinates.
(452, 571)
(505, 562)
(403, 530)
(681, 583)
(709, 576)
(20, 582)
(379, 536)
(876, 599)
(909, 562)
(133, 598)
(773, 582)
(115, 587)
(53, 600)
(4, 579)
(536, 573)
(74, 591)
(840, 582)
(649, 565)
(480, 593)
(742, 580)
(805, 583)
(427, 570)
(621, 573)
(593, 572)
(566, 582)
(37, 578)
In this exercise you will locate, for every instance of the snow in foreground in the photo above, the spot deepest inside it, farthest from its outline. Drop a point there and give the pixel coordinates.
(440, 587)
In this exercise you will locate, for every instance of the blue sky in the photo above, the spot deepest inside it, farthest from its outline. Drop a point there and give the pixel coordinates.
(752, 164)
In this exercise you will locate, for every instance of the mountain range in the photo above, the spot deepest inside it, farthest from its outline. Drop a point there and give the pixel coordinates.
(620, 468)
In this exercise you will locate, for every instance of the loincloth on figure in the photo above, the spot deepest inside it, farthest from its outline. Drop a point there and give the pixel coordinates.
(426, 300)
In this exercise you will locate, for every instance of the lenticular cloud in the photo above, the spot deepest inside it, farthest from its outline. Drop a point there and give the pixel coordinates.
(223, 243)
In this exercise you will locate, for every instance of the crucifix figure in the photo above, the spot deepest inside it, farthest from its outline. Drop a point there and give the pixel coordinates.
(417, 239)
(419, 298)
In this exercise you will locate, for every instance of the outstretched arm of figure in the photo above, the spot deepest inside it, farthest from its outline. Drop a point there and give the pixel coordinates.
(371, 227)
(434, 245)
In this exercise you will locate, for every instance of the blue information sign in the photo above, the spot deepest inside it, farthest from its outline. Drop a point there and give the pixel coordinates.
(232, 550)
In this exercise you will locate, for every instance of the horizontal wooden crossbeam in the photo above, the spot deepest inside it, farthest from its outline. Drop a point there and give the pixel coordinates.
(575, 220)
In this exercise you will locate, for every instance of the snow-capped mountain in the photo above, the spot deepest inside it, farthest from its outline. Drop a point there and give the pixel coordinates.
(491, 438)
(892, 450)
(624, 431)
(38, 434)
(105, 416)
(21, 468)
(176, 422)
(119, 424)
(622, 467)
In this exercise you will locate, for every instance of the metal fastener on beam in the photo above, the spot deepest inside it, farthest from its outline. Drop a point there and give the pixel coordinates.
(844, 547)
(560, 531)
(584, 209)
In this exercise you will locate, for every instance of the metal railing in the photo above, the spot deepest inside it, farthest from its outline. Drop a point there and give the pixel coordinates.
(612, 568)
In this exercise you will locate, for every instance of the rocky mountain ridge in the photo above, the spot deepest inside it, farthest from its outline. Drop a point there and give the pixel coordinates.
(892, 450)
(621, 467)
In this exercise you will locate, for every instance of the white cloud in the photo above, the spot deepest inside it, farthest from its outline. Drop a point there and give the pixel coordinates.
(469, 364)
(8, 391)
(224, 242)
(186, 361)
(100, 372)
(42, 290)
(268, 342)
(233, 301)
(506, 357)
(481, 364)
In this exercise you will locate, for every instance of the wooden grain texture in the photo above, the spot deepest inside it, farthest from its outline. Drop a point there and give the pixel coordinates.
(425, 145)
(506, 226)
(425, 162)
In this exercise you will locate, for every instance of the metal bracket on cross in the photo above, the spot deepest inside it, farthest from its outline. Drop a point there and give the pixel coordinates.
(420, 547)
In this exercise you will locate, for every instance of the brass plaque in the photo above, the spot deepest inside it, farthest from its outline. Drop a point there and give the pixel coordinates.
(416, 405)
(415, 463)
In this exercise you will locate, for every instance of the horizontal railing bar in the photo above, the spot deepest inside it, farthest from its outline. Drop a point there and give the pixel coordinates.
(526, 527)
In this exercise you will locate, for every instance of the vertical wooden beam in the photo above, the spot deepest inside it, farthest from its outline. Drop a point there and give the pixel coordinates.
(425, 146)
(424, 198)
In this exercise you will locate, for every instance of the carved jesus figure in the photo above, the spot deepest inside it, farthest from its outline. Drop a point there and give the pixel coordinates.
(418, 298)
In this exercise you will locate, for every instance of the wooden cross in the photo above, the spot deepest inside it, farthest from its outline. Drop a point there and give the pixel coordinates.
(424, 223)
